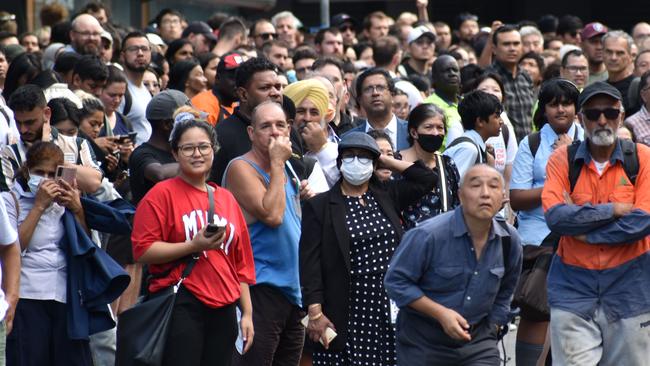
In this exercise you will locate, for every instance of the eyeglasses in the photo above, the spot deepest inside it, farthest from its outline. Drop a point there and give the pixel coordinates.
(593, 114)
(188, 150)
(362, 159)
(575, 69)
(170, 21)
(267, 36)
(134, 49)
(88, 34)
(370, 89)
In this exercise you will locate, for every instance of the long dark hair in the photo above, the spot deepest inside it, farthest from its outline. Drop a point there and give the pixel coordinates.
(27, 64)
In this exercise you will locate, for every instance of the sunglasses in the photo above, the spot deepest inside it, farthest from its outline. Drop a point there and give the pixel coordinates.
(345, 28)
(593, 114)
(267, 36)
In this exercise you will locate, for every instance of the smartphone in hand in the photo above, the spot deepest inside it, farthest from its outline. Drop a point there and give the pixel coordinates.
(66, 173)
(214, 229)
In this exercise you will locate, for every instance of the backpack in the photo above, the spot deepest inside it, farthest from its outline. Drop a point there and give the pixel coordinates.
(630, 161)
(482, 155)
(534, 139)
(128, 102)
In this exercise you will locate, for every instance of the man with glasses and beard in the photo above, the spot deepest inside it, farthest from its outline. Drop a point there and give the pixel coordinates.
(85, 36)
(596, 198)
(136, 56)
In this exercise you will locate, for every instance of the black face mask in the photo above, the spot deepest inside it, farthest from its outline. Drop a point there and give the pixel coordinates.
(430, 143)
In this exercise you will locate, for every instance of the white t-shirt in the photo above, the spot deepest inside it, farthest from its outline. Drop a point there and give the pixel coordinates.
(504, 155)
(140, 97)
(8, 236)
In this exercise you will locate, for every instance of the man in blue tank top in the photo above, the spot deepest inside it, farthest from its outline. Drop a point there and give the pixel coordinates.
(269, 193)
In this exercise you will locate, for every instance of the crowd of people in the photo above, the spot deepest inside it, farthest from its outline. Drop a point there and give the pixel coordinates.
(385, 191)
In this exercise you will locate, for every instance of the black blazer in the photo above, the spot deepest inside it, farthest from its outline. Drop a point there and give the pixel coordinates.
(325, 241)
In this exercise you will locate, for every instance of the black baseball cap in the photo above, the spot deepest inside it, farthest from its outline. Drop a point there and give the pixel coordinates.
(598, 88)
(200, 28)
(341, 18)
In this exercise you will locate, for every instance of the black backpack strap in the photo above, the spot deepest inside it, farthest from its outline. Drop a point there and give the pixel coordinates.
(575, 166)
(630, 159)
(534, 139)
(482, 155)
(505, 132)
(128, 101)
(505, 243)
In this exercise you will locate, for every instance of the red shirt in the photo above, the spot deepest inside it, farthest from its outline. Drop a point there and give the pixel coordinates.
(173, 211)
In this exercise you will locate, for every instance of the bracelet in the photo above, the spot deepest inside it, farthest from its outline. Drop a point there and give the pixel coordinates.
(316, 317)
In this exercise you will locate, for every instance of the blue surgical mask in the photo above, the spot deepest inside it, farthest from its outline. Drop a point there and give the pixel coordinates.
(34, 182)
(357, 172)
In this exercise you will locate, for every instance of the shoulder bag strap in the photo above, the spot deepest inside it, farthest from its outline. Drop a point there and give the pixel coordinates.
(442, 179)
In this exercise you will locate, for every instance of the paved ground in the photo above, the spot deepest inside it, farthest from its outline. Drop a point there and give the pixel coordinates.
(509, 341)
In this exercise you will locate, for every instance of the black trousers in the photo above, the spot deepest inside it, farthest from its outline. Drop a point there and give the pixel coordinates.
(40, 337)
(279, 335)
(200, 335)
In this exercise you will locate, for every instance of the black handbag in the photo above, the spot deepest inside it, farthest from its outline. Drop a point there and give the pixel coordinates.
(142, 330)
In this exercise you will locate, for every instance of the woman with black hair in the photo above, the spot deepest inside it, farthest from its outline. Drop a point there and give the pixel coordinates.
(187, 76)
(170, 227)
(21, 71)
(556, 122)
(179, 50)
(427, 128)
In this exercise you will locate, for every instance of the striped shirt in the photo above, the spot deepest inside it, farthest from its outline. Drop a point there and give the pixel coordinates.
(518, 99)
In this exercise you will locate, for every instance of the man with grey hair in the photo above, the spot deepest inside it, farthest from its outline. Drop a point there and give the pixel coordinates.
(618, 57)
(531, 39)
(286, 25)
(85, 35)
(596, 198)
(453, 278)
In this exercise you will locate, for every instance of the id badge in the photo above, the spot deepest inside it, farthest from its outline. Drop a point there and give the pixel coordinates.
(394, 310)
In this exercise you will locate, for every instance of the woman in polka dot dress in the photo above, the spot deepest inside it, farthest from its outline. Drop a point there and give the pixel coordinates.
(348, 237)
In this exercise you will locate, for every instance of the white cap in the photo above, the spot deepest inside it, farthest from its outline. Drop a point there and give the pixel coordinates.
(155, 39)
(566, 49)
(61, 90)
(420, 31)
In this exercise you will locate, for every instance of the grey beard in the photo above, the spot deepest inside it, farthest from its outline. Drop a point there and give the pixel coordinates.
(605, 137)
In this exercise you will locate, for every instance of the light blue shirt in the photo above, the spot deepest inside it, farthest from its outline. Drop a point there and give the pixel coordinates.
(529, 172)
(465, 153)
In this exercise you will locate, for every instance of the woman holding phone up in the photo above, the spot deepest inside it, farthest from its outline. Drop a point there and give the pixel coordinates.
(170, 226)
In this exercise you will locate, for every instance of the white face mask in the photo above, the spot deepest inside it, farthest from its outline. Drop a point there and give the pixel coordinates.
(34, 182)
(357, 172)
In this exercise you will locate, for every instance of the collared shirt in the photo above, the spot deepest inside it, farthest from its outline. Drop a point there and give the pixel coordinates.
(612, 268)
(529, 172)
(43, 269)
(437, 259)
(464, 154)
(76, 150)
(519, 99)
(454, 124)
(391, 129)
(639, 124)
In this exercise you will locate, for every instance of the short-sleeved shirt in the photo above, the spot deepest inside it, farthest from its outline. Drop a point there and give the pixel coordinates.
(43, 268)
(529, 172)
(8, 236)
(639, 125)
(140, 97)
(503, 155)
(142, 156)
(465, 153)
(173, 212)
(207, 102)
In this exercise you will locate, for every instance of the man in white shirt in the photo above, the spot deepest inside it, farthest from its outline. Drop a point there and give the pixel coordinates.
(10, 259)
(136, 56)
(374, 90)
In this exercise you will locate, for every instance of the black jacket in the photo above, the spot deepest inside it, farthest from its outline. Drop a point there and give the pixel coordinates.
(325, 241)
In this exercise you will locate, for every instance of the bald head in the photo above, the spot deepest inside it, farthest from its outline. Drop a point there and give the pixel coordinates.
(481, 193)
(446, 75)
(265, 110)
(85, 35)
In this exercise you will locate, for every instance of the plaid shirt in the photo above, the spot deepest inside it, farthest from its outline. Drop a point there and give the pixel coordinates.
(519, 99)
(639, 125)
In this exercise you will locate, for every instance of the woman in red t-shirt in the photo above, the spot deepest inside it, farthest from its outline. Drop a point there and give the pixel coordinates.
(169, 225)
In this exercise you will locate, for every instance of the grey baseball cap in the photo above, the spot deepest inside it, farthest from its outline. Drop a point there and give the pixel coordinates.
(162, 106)
(598, 88)
(359, 140)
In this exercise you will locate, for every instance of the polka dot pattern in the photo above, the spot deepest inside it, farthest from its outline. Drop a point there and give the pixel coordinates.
(371, 336)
